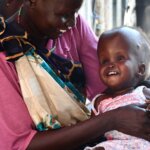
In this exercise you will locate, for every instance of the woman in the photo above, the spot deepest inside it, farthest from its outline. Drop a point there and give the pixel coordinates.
(17, 128)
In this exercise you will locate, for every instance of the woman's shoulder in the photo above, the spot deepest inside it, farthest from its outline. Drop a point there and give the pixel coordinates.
(3, 61)
(7, 68)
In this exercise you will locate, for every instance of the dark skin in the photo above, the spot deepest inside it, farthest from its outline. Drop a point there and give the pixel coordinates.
(121, 62)
(53, 17)
(10, 5)
(124, 60)
(122, 66)
(84, 132)
(70, 138)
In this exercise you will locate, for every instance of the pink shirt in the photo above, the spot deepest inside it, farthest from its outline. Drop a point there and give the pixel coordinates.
(115, 139)
(15, 122)
(80, 44)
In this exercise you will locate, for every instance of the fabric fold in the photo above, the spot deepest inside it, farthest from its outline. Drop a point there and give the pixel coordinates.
(48, 103)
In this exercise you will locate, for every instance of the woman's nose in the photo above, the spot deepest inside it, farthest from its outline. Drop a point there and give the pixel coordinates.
(71, 21)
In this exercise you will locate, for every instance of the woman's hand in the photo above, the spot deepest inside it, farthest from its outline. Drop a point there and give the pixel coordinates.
(148, 104)
(133, 120)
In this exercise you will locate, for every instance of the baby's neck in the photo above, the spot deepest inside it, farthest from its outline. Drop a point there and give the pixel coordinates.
(115, 93)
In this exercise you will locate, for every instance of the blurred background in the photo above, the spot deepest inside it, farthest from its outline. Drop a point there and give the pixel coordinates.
(106, 14)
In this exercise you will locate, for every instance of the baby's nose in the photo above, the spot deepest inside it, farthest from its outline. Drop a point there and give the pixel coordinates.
(111, 65)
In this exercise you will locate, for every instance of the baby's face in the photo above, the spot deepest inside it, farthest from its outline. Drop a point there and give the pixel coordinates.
(118, 65)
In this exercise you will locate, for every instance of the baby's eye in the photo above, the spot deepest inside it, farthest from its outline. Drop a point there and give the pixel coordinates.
(104, 62)
(121, 58)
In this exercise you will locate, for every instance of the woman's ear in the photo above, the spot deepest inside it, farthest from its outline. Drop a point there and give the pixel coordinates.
(9, 2)
(9, 7)
(141, 71)
(32, 3)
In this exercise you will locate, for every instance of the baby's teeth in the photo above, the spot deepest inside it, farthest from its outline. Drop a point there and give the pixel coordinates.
(112, 73)
(62, 31)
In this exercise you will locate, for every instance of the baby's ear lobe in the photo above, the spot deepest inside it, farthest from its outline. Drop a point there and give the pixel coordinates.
(141, 72)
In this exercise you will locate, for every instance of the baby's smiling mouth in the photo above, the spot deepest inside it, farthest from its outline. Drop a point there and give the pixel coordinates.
(112, 73)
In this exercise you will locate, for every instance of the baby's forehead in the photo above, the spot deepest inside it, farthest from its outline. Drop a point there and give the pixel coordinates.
(129, 36)
(127, 32)
(125, 38)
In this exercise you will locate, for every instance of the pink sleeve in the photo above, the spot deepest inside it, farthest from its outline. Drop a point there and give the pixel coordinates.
(15, 123)
(88, 58)
(80, 44)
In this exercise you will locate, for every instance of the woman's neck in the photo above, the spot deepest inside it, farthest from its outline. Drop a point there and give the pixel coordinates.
(26, 24)
(13, 17)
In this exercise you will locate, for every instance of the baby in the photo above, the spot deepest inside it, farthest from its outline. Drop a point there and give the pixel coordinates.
(124, 55)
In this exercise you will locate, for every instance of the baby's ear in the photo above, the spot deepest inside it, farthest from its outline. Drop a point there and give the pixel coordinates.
(141, 71)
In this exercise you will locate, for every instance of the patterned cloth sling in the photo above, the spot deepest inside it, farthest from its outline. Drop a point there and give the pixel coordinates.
(50, 101)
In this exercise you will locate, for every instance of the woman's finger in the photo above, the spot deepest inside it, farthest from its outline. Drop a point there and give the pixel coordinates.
(147, 101)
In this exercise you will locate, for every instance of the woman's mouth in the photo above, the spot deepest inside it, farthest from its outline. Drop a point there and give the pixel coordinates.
(62, 31)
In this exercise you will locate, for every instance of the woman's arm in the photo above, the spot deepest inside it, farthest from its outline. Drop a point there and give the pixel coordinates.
(129, 119)
(70, 138)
